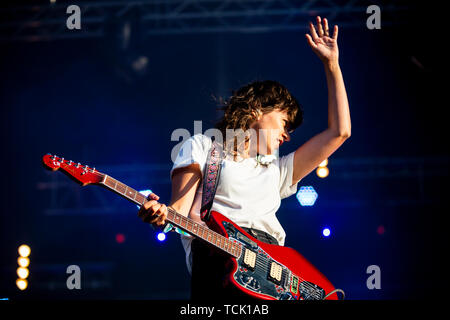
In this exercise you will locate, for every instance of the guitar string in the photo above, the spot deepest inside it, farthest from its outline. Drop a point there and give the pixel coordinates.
(260, 264)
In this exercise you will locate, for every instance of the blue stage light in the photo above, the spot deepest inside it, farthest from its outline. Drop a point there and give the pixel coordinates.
(326, 232)
(307, 196)
(161, 236)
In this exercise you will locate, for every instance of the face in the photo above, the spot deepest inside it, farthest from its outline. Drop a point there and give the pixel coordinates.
(271, 129)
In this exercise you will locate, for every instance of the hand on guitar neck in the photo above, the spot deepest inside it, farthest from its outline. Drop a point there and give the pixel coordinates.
(153, 212)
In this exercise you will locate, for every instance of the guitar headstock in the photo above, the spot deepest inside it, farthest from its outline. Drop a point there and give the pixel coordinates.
(80, 173)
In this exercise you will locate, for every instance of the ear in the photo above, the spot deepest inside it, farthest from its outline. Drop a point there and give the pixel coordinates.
(257, 114)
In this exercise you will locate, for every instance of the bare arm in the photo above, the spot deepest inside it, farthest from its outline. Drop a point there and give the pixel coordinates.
(185, 182)
(308, 156)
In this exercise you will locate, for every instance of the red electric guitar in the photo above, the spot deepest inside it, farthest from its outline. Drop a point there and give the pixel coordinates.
(261, 270)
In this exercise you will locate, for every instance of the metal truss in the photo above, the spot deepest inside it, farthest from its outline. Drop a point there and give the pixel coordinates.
(61, 196)
(47, 21)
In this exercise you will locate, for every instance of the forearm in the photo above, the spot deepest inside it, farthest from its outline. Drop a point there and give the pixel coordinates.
(338, 108)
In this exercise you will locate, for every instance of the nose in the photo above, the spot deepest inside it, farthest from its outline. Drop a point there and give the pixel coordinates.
(286, 136)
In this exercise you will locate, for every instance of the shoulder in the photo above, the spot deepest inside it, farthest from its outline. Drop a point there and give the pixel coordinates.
(200, 142)
(200, 138)
(197, 144)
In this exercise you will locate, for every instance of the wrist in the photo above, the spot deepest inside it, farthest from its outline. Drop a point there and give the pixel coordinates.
(331, 65)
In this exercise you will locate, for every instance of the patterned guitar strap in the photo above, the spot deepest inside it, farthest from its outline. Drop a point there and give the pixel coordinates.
(212, 173)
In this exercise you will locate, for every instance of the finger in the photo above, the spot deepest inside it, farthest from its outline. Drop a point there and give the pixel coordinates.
(148, 209)
(313, 31)
(144, 208)
(148, 204)
(325, 26)
(162, 215)
(335, 32)
(319, 27)
(153, 216)
(310, 41)
(151, 219)
(156, 207)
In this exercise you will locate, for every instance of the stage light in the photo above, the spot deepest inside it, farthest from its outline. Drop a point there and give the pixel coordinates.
(22, 284)
(120, 238)
(23, 262)
(307, 196)
(24, 250)
(326, 232)
(381, 230)
(161, 236)
(322, 172)
(22, 273)
(324, 163)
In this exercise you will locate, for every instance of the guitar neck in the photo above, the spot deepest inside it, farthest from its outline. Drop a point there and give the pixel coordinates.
(175, 218)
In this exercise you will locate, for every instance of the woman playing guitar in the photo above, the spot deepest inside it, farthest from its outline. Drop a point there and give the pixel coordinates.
(249, 190)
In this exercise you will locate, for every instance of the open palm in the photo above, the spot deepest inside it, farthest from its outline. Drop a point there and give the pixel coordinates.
(320, 41)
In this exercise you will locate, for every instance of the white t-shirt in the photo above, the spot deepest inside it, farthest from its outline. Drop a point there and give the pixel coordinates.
(248, 194)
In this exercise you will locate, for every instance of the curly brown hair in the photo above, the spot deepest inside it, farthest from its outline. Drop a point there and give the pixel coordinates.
(254, 99)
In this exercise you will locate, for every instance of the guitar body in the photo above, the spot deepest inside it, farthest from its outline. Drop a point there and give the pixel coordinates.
(270, 272)
(260, 270)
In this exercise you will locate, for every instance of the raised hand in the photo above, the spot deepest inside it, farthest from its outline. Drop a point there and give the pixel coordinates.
(324, 46)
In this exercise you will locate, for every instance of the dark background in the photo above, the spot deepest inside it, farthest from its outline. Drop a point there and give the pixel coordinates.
(79, 98)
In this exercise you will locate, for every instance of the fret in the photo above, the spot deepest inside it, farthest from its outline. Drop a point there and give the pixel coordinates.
(131, 193)
(183, 222)
(120, 187)
(214, 238)
(170, 215)
(189, 225)
(195, 228)
(140, 198)
(209, 236)
(110, 182)
(202, 233)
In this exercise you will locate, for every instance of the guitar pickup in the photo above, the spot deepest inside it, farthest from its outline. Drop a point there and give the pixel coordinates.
(275, 272)
(250, 259)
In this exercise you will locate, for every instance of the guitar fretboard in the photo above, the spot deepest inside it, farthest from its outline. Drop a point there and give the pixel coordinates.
(230, 246)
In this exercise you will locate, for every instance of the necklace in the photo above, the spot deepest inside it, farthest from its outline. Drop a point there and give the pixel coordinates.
(264, 159)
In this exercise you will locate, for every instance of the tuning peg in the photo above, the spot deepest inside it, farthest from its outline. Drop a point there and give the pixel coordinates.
(78, 165)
